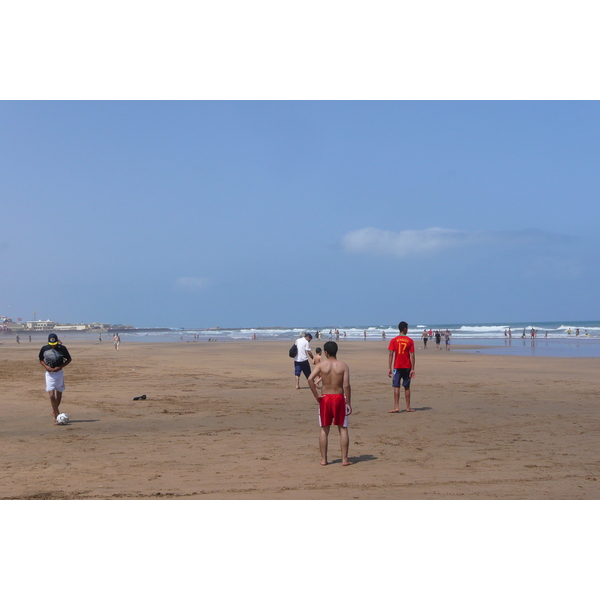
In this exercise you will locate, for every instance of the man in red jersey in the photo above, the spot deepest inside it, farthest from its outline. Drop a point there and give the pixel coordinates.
(334, 402)
(401, 366)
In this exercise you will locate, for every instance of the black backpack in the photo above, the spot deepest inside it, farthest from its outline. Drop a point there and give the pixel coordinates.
(293, 351)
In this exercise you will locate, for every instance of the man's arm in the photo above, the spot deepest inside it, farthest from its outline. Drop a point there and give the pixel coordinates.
(311, 382)
(413, 360)
(347, 390)
(391, 362)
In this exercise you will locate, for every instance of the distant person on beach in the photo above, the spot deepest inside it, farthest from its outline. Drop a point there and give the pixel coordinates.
(116, 341)
(438, 339)
(447, 338)
(334, 400)
(425, 338)
(18, 339)
(301, 364)
(100, 337)
(365, 334)
(54, 357)
(30, 338)
(316, 361)
(401, 365)
(509, 333)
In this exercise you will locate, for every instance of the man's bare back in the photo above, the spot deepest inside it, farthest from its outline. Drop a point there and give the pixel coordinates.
(335, 376)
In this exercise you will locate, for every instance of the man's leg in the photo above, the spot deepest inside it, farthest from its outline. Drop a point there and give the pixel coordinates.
(345, 444)
(55, 398)
(323, 444)
(305, 370)
(396, 400)
(407, 398)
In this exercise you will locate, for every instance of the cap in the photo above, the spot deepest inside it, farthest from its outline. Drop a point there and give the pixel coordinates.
(53, 339)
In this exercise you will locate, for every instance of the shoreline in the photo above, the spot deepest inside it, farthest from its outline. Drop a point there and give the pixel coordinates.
(544, 347)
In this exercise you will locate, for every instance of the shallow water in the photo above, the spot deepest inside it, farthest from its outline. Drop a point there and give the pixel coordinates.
(561, 348)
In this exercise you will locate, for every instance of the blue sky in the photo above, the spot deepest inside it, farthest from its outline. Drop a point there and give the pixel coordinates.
(292, 213)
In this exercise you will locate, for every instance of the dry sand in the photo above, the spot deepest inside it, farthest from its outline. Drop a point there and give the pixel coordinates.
(223, 421)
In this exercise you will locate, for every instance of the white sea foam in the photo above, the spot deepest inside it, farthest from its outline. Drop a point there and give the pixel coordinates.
(459, 331)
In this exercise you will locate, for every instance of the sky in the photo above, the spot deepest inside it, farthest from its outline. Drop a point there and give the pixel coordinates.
(299, 213)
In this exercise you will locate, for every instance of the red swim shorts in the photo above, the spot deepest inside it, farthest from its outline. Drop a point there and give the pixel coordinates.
(332, 409)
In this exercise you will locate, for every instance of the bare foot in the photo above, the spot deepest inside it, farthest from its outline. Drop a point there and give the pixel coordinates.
(347, 463)
(394, 411)
(323, 463)
(410, 410)
(298, 388)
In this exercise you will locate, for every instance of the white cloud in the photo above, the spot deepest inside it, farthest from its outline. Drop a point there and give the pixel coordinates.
(193, 283)
(435, 240)
(403, 243)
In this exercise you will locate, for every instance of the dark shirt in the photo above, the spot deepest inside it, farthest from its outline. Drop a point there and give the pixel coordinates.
(54, 356)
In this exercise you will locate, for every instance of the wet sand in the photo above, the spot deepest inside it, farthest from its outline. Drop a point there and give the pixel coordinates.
(223, 421)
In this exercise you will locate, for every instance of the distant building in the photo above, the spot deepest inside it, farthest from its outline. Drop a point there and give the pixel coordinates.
(41, 325)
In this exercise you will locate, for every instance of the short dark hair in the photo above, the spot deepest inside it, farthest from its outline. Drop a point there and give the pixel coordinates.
(318, 350)
(403, 325)
(307, 335)
(331, 348)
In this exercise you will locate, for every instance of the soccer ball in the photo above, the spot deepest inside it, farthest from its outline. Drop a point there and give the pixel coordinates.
(62, 419)
(53, 358)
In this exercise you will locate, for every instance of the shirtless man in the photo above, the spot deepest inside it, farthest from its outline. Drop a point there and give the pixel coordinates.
(334, 401)
(316, 360)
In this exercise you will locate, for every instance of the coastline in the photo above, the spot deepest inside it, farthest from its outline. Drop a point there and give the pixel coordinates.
(566, 347)
(222, 421)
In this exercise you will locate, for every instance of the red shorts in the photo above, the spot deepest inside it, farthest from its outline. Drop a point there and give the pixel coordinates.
(332, 409)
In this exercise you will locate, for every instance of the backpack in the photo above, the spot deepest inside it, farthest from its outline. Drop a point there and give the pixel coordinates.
(293, 351)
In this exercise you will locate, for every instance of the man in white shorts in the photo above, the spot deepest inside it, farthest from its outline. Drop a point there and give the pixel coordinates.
(54, 357)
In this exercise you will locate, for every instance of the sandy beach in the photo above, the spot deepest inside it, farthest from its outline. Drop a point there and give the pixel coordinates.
(223, 421)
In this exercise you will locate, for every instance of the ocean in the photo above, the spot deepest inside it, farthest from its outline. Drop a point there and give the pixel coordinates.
(553, 338)
(474, 333)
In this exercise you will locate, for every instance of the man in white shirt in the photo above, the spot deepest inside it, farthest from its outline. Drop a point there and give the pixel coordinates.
(301, 364)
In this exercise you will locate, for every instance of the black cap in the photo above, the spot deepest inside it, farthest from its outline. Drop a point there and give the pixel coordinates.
(53, 339)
